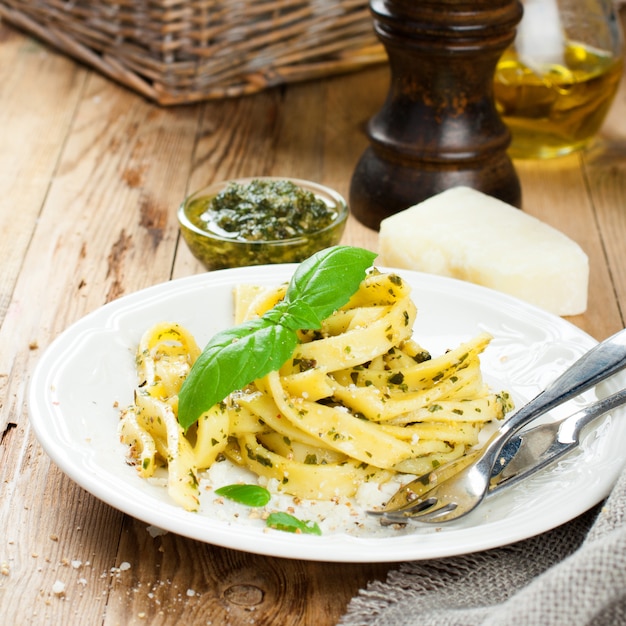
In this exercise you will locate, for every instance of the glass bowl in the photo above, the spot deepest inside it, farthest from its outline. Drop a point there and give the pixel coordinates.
(217, 251)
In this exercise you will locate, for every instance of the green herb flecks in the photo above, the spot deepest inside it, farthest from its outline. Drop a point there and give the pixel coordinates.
(291, 524)
(237, 356)
(250, 495)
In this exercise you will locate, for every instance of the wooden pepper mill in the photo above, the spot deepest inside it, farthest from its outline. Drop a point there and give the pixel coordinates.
(439, 127)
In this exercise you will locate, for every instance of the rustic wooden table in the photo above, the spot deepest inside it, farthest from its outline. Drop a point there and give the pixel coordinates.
(91, 177)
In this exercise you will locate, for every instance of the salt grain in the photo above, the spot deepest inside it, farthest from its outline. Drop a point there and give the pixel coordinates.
(58, 589)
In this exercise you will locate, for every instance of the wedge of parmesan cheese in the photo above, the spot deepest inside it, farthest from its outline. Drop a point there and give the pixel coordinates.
(466, 234)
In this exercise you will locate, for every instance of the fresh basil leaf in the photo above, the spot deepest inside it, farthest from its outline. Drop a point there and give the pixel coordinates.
(325, 282)
(236, 357)
(291, 524)
(230, 361)
(250, 495)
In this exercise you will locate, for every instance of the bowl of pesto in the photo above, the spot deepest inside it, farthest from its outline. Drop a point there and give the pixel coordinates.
(263, 220)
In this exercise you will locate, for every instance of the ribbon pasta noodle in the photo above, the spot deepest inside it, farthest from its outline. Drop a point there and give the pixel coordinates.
(358, 401)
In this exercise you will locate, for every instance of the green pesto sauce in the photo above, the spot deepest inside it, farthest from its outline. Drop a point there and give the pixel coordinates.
(263, 211)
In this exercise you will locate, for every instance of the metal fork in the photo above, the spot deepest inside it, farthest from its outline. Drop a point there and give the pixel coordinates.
(456, 495)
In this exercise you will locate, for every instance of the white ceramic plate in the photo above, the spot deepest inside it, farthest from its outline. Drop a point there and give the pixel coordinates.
(88, 373)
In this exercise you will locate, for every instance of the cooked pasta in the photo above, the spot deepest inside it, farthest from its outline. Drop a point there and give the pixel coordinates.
(358, 401)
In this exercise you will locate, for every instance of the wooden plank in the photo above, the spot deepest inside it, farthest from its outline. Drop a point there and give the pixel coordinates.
(129, 161)
(605, 168)
(219, 586)
(351, 104)
(236, 138)
(110, 141)
(58, 550)
(606, 173)
(39, 93)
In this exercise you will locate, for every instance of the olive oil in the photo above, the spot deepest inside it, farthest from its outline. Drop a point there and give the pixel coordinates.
(559, 109)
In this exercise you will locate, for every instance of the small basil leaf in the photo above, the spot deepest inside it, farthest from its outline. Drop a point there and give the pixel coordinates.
(231, 360)
(291, 524)
(250, 495)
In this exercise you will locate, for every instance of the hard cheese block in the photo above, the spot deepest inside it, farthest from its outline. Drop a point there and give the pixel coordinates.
(466, 234)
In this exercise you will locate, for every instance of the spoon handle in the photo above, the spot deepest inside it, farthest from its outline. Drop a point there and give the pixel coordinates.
(531, 450)
(596, 365)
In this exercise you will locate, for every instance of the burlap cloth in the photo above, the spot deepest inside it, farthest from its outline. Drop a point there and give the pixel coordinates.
(574, 575)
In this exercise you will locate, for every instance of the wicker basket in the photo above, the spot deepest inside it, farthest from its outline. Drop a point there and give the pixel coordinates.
(181, 51)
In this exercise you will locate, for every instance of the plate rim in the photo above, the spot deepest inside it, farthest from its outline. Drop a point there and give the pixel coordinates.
(342, 547)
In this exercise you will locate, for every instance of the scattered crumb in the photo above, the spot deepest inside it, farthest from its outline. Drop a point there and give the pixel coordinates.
(58, 589)
(155, 531)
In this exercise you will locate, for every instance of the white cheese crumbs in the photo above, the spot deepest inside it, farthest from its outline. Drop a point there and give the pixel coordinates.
(58, 589)
(340, 515)
(124, 565)
(190, 593)
(465, 234)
